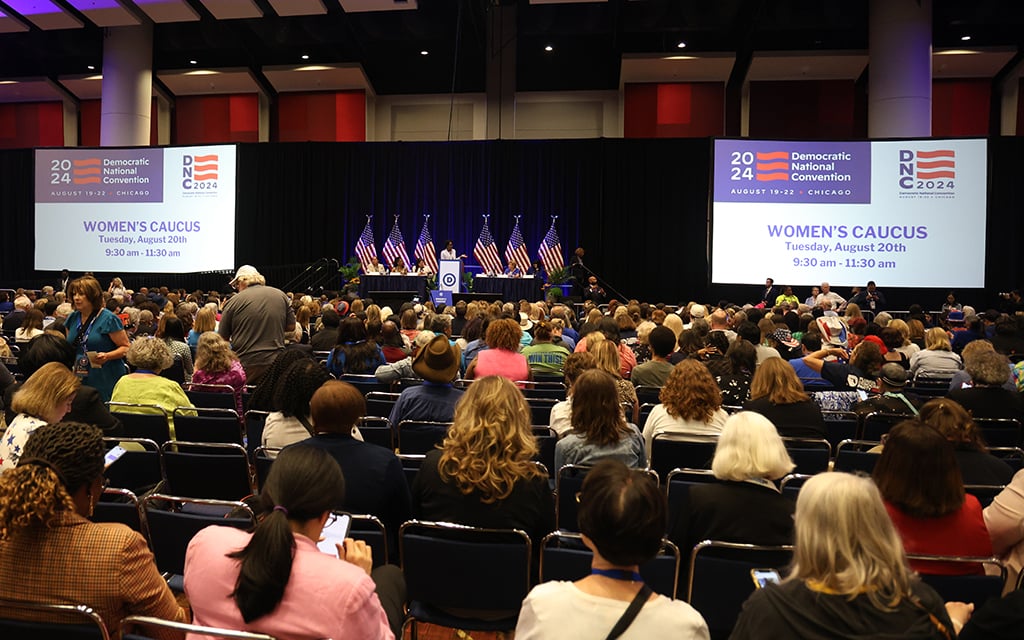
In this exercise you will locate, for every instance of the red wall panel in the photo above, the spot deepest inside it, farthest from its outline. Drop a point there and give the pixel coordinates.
(214, 119)
(31, 124)
(674, 110)
(322, 117)
(812, 109)
(961, 107)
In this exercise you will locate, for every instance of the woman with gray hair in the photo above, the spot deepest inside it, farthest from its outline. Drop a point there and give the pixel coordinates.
(850, 577)
(745, 506)
(149, 356)
(987, 397)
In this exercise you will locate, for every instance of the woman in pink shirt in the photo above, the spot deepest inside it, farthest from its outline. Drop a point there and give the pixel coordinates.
(275, 580)
(502, 357)
(216, 363)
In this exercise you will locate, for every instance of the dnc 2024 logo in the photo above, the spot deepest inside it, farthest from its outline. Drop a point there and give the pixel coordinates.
(199, 173)
(924, 172)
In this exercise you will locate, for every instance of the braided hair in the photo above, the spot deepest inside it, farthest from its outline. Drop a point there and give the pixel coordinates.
(58, 460)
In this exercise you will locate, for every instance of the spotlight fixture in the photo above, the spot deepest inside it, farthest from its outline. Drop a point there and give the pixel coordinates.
(91, 67)
(305, 56)
(192, 62)
(681, 45)
(549, 48)
(965, 38)
(424, 53)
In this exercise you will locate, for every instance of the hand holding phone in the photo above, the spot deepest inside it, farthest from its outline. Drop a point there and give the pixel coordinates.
(763, 577)
(335, 532)
(113, 456)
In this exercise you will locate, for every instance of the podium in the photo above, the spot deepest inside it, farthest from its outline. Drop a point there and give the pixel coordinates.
(449, 275)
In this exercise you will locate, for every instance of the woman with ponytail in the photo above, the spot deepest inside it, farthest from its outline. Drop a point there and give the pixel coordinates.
(274, 580)
(50, 552)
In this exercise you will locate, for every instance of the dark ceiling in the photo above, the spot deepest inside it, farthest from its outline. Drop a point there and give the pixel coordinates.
(588, 40)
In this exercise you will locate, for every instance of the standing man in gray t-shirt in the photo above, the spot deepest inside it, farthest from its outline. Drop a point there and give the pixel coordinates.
(255, 320)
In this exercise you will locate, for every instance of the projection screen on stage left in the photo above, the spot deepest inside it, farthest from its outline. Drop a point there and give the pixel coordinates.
(123, 210)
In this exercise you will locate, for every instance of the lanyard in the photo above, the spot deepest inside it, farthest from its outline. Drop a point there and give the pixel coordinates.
(83, 337)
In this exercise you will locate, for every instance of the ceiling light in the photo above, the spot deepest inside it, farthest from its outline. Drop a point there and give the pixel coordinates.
(8, 82)
(192, 62)
(965, 38)
(681, 45)
(305, 56)
(91, 67)
(424, 53)
(956, 52)
(549, 48)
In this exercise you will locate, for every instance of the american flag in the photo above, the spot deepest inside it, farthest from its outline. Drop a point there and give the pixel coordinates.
(365, 248)
(425, 247)
(550, 251)
(394, 246)
(516, 249)
(485, 251)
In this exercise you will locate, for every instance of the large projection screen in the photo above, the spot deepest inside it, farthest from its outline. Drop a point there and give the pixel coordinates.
(167, 210)
(902, 213)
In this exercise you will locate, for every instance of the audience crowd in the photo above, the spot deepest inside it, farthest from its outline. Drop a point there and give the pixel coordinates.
(748, 380)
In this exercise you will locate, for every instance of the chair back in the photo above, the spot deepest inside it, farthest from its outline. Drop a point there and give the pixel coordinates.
(255, 421)
(147, 421)
(1013, 456)
(207, 470)
(648, 394)
(173, 521)
(64, 621)
(377, 430)
(176, 371)
(546, 440)
(218, 396)
(968, 587)
(645, 412)
(677, 488)
(811, 455)
(411, 463)
(379, 403)
(985, 493)
(563, 556)
(877, 424)
(365, 383)
(455, 567)
(262, 460)
(1000, 432)
(569, 482)
(144, 627)
(791, 484)
(372, 531)
(207, 425)
(720, 579)
(139, 471)
(420, 436)
(839, 426)
(853, 456)
(669, 452)
(540, 410)
(118, 505)
(543, 391)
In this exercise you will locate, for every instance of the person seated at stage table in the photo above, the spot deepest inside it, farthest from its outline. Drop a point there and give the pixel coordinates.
(51, 552)
(513, 270)
(421, 268)
(374, 268)
(398, 267)
(622, 516)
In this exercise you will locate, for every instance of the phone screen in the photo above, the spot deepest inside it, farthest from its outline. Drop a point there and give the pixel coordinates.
(763, 577)
(862, 394)
(112, 456)
(335, 532)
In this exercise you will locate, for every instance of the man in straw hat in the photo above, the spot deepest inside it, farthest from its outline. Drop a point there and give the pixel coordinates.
(434, 400)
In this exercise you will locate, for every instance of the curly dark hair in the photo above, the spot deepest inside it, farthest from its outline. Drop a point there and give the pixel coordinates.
(263, 397)
(58, 460)
(296, 387)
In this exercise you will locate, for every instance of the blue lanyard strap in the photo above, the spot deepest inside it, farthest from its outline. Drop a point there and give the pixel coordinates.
(618, 574)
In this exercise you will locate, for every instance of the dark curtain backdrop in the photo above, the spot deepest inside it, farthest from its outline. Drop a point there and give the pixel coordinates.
(639, 207)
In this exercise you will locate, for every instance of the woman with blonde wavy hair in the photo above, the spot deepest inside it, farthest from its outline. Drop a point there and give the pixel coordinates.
(606, 354)
(691, 405)
(483, 475)
(850, 577)
(217, 364)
